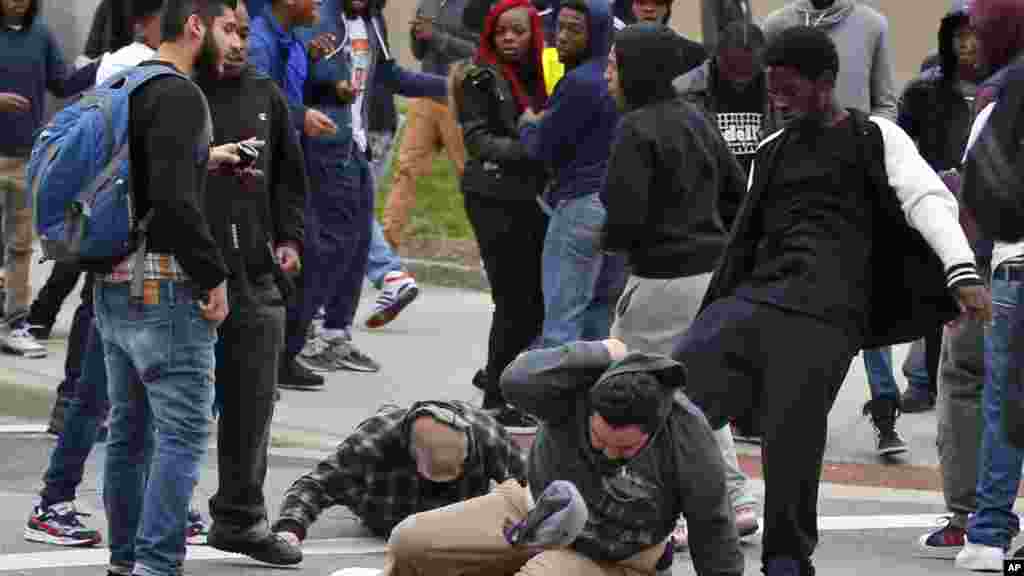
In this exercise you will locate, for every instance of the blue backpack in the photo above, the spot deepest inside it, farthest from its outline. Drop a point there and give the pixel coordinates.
(80, 176)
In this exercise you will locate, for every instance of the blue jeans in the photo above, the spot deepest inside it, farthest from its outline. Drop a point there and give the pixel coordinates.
(881, 381)
(572, 265)
(382, 258)
(160, 362)
(999, 465)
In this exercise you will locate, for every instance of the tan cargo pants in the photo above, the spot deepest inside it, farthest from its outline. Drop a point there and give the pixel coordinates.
(466, 539)
(17, 235)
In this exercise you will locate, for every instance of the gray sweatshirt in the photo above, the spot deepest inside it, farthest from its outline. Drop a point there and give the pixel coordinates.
(679, 471)
(451, 41)
(861, 35)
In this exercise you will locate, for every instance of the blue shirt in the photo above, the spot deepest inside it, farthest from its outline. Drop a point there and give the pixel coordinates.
(281, 55)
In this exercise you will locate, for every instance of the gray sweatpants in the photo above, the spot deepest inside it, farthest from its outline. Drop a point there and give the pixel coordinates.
(651, 314)
(961, 381)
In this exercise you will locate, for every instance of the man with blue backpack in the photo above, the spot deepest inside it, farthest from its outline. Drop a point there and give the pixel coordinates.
(121, 180)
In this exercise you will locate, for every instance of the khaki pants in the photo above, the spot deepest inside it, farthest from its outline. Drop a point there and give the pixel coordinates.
(17, 235)
(466, 539)
(428, 127)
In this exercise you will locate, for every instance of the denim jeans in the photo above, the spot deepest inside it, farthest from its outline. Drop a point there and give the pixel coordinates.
(572, 265)
(881, 381)
(999, 465)
(160, 363)
(382, 259)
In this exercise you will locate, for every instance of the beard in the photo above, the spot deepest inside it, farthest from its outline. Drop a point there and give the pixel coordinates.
(209, 58)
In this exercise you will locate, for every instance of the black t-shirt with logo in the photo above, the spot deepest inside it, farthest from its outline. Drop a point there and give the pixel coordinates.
(740, 115)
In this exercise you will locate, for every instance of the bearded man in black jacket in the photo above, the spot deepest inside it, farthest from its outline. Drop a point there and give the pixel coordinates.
(256, 216)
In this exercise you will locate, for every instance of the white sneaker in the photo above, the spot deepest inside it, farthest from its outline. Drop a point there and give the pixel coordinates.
(20, 342)
(397, 291)
(980, 558)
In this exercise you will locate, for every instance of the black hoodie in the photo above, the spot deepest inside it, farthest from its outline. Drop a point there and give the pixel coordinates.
(672, 186)
(936, 109)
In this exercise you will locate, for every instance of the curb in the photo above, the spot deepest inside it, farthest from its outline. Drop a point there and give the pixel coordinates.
(447, 274)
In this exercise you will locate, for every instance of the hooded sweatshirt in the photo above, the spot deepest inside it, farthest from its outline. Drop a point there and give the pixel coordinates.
(673, 187)
(32, 64)
(936, 109)
(861, 36)
(679, 471)
(691, 54)
(573, 138)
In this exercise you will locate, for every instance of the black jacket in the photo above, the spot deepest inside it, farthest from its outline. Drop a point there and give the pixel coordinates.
(937, 109)
(497, 164)
(249, 216)
(908, 295)
(673, 188)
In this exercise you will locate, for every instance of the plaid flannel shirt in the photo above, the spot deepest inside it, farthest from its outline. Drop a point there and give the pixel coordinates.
(158, 267)
(373, 474)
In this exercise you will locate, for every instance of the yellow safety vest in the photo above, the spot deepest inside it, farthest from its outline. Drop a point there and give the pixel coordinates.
(553, 69)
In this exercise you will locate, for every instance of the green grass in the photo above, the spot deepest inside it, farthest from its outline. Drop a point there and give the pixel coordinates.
(438, 212)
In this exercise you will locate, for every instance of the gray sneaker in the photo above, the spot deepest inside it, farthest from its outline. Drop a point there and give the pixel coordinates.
(317, 355)
(348, 357)
(20, 342)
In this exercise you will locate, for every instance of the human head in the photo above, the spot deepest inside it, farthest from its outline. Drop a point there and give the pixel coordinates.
(999, 28)
(439, 444)
(739, 53)
(301, 13)
(627, 408)
(658, 11)
(513, 35)
(636, 65)
(573, 36)
(802, 66)
(18, 12)
(235, 61)
(206, 30)
(146, 18)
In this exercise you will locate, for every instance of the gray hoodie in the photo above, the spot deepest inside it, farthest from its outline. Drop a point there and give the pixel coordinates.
(861, 35)
(680, 470)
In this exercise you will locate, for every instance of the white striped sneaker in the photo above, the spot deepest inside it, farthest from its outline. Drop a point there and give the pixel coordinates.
(397, 291)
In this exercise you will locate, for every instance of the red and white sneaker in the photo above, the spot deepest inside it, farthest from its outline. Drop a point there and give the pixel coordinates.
(942, 543)
(397, 291)
(59, 524)
(196, 532)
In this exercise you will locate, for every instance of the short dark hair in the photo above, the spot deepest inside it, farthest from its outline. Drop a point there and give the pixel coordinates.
(630, 398)
(146, 8)
(177, 13)
(740, 34)
(807, 50)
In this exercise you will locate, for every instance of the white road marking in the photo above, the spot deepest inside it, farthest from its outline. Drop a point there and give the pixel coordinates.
(371, 546)
(23, 429)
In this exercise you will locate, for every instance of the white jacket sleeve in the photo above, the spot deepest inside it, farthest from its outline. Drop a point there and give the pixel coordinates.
(928, 205)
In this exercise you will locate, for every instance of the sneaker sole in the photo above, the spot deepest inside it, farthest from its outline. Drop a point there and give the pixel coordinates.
(46, 538)
(26, 354)
(521, 429)
(979, 565)
(312, 367)
(310, 388)
(254, 552)
(934, 552)
(385, 316)
(344, 364)
(198, 540)
(893, 451)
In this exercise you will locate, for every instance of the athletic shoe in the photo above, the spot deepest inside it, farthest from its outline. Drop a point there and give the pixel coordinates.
(20, 342)
(317, 356)
(272, 549)
(942, 543)
(345, 356)
(980, 558)
(197, 532)
(294, 376)
(398, 290)
(746, 521)
(555, 521)
(59, 524)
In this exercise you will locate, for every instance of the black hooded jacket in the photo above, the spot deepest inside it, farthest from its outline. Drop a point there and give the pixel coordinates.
(673, 188)
(936, 109)
(690, 54)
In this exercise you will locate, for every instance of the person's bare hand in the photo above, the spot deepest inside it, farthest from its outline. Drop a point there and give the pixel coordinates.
(975, 302)
(616, 348)
(346, 93)
(423, 28)
(223, 155)
(321, 46)
(11, 102)
(287, 258)
(215, 308)
(318, 124)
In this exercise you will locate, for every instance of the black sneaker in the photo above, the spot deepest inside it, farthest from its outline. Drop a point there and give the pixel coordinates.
(480, 380)
(294, 376)
(272, 549)
(883, 412)
(515, 421)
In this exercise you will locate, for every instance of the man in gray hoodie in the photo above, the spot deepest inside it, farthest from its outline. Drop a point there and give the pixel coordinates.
(861, 35)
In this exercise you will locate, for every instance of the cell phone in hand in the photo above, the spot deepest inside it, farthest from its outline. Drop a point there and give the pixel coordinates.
(249, 152)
